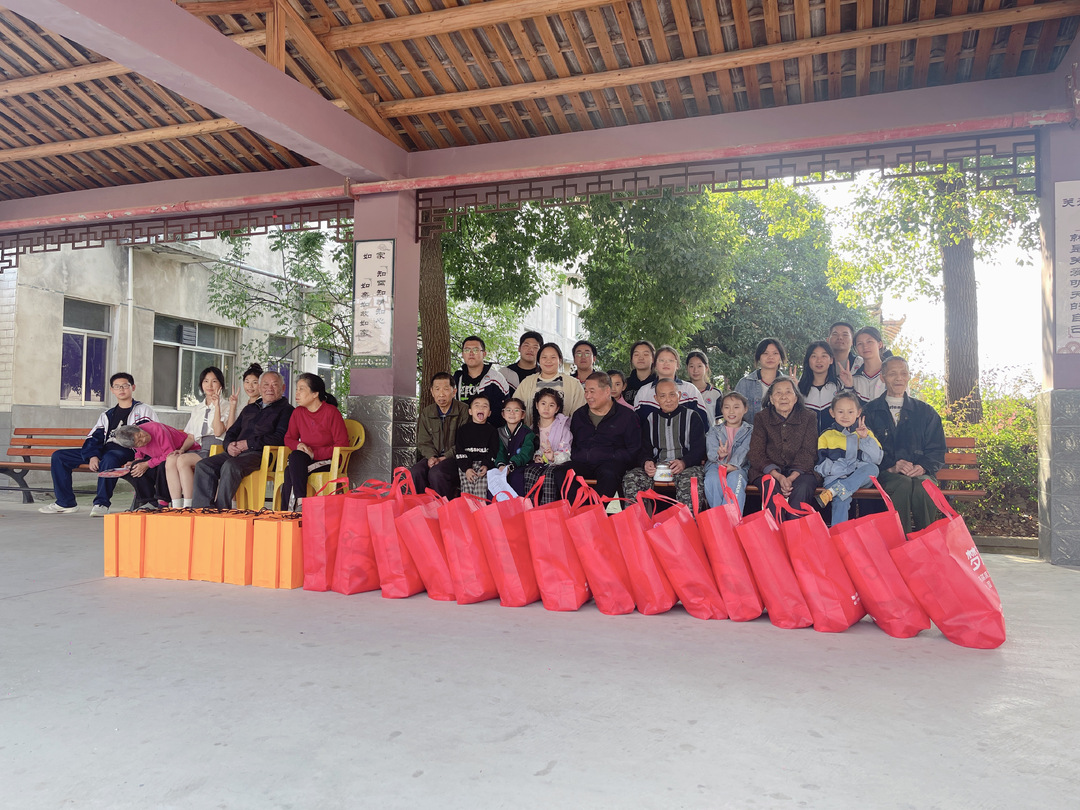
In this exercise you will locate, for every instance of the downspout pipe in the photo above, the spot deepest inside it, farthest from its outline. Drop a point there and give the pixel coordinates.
(130, 308)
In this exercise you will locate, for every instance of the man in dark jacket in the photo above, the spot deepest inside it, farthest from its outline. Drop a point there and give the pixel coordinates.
(913, 441)
(607, 437)
(262, 423)
(436, 439)
(674, 436)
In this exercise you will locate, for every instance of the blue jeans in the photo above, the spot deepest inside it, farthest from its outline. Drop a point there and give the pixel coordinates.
(714, 493)
(64, 461)
(843, 488)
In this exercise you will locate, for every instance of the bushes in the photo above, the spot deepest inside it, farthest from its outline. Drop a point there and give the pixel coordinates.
(1005, 444)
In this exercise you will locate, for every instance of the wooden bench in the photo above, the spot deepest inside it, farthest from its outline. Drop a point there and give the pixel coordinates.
(961, 467)
(38, 443)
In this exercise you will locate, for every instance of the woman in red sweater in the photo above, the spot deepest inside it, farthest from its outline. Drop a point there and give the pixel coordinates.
(315, 429)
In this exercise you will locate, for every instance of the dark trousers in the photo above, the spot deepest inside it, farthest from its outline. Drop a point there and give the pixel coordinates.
(296, 477)
(802, 491)
(64, 461)
(608, 475)
(441, 479)
(218, 477)
(152, 486)
(913, 504)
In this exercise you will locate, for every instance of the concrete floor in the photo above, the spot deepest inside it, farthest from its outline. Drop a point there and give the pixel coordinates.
(143, 693)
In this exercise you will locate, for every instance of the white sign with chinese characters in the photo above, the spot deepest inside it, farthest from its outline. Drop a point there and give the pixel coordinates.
(1067, 266)
(373, 307)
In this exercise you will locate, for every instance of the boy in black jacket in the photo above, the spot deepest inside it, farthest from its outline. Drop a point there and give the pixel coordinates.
(477, 447)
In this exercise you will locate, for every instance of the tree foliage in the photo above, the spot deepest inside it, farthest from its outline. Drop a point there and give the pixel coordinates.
(312, 298)
(781, 285)
(657, 268)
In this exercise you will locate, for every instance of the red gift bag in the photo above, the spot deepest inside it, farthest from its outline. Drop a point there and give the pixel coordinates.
(598, 549)
(501, 526)
(945, 571)
(864, 545)
(759, 536)
(469, 567)
(558, 570)
(833, 601)
(356, 568)
(419, 530)
(649, 584)
(319, 532)
(728, 560)
(677, 542)
(398, 575)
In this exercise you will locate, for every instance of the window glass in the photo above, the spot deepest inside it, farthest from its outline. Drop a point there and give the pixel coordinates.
(84, 315)
(165, 375)
(94, 377)
(169, 329)
(71, 368)
(192, 364)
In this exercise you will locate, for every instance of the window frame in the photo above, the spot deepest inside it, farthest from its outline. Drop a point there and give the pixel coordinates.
(226, 360)
(84, 333)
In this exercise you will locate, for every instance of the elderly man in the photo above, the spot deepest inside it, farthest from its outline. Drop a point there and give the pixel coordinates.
(262, 423)
(672, 435)
(913, 442)
(607, 437)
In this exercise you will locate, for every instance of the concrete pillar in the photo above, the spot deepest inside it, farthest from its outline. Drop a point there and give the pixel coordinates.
(1059, 403)
(384, 399)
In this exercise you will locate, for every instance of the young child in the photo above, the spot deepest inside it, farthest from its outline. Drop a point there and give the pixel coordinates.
(848, 455)
(618, 385)
(477, 447)
(553, 443)
(726, 446)
(517, 443)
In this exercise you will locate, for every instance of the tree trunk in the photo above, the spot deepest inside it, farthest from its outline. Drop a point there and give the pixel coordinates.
(434, 324)
(961, 327)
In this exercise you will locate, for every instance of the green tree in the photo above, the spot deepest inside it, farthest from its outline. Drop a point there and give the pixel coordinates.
(312, 298)
(657, 268)
(920, 236)
(781, 287)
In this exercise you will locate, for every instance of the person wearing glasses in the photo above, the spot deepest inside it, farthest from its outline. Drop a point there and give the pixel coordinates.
(99, 451)
(584, 359)
(477, 377)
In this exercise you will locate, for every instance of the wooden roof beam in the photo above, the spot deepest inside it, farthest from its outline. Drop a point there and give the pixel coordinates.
(1019, 15)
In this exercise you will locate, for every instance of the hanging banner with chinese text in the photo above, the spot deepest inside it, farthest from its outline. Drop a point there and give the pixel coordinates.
(1067, 266)
(373, 304)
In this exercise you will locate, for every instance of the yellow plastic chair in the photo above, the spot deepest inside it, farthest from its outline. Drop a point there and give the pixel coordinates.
(252, 492)
(339, 462)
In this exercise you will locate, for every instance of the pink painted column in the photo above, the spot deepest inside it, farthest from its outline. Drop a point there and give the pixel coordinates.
(1058, 406)
(384, 399)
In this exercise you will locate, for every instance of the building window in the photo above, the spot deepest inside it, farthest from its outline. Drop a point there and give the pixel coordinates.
(83, 352)
(558, 314)
(182, 349)
(573, 319)
(331, 369)
(283, 351)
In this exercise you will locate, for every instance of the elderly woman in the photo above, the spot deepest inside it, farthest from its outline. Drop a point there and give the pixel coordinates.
(784, 444)
(316, 427)
(152, 442)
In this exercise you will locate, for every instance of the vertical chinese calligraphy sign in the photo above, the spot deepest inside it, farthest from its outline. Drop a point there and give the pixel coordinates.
(373, 304)
(1067, 266)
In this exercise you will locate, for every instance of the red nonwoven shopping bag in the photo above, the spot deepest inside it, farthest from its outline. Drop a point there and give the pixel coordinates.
(320, 532)
(356, 568)
(598, 550)
(675, 538)
(864, 545)
(833, 601)
(398, 575)
(420, 531)
(469, 567)
(727, 559)
(946, 573)
(501, 526)
(759, 536)
(558, 570)
(649, 584)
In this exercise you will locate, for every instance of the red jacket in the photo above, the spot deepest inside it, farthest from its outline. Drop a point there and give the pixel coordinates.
(322, 431)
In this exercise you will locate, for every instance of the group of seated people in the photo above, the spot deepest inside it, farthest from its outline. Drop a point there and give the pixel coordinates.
(522, 428)
(174, 467)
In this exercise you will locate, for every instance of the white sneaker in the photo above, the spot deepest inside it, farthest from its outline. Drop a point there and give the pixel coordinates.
(57, 509)
(99, 510)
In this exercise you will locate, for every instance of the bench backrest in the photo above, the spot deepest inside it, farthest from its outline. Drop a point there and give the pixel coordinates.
(961, 463)
(43, 442)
